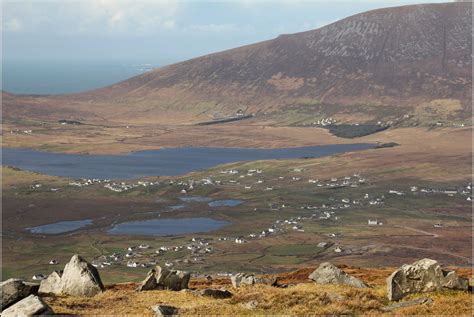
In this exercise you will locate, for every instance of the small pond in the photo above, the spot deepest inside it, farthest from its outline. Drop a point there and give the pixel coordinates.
(197, 199)
(167, 227)
(225, 203)
(60, 227)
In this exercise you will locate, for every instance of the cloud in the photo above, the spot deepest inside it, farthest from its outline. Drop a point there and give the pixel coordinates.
(110, 17)
(13, 25)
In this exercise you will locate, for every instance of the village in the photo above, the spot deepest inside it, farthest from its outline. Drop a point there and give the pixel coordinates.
(266, 192)
(196, 249)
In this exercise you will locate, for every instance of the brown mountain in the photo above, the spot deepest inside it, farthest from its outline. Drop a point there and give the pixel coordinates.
(412, 62)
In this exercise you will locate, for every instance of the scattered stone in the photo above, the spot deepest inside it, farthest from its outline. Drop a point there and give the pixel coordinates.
(242, 278)
(80, 278)
(419, 301)
(161, 278)
(215, 293)
(29, 306)
(272, 281)
(164, 310)
(422, 276)
(52, 284)
(328, 273)
(336, 297)
(14, 290)
(250, 305)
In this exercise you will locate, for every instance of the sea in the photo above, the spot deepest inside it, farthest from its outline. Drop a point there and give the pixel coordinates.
(67, 76)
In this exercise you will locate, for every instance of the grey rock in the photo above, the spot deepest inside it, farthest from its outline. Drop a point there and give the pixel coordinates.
(161, 278)
(80, 278)
(29, 306)
(164, 310)
(272, 281)
(14, 290)
(418, 301)
(250, 305)
(422, 276)
(215, 293)
(328, 273)
(52, 284)
(241, 279)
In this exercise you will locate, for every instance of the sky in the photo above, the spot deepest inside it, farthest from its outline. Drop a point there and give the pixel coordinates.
(159, 32)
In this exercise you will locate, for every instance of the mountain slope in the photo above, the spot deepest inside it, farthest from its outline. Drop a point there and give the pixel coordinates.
(383, 61)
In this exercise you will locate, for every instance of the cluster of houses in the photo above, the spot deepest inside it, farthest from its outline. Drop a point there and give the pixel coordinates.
(324, 122)
(144, 255)
(86, 182)
(122, 186)
(451, 192)
(21, 131)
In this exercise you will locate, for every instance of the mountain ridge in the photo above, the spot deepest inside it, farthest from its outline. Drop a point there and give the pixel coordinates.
(399, 56)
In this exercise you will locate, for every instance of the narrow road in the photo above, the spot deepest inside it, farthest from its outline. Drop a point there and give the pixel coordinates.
(434, 235)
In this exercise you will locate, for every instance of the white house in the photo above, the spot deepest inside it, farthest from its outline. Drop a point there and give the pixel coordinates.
(374, 222)
(239, 240)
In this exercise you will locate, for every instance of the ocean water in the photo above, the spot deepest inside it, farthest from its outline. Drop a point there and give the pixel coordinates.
(59, 77)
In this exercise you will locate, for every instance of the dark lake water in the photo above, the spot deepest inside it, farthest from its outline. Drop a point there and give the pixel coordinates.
(166, 227)
(163, 162)
(60, 227)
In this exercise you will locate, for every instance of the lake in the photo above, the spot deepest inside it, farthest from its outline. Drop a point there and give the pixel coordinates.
(166, 227)
(60, 227)
(163, 162)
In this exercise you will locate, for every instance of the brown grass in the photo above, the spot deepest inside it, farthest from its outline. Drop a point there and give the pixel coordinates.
(303, 298)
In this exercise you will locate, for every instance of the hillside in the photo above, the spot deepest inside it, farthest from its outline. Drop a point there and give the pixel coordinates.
(410, 65)
(301, 297)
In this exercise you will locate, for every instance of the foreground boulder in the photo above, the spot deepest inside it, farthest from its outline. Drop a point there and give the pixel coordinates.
(410, 303)
(14, 290)
(164, 310)
(328, 273)
(242, 279)
(215, 293)
(29, 306)
(250, 279)
(52, 284)
(161, 278)
(422, 276)
(80, 278)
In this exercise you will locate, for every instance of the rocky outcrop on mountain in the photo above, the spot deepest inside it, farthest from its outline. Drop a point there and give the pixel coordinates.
(80, 278)
(328, 273)
(422, 276)
(29, 306)
(161, 278)
(13, 290)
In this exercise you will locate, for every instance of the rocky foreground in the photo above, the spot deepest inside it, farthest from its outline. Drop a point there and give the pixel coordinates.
(423, 287)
